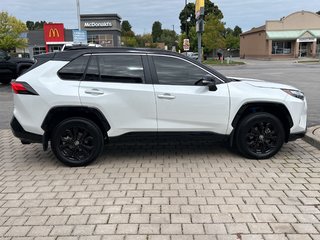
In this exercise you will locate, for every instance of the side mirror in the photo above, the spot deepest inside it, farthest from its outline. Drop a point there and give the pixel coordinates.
(209, 81)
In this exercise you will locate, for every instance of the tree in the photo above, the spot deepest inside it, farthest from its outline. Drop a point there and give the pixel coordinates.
(318, 12)
(156, 31)
(125, 26)
(146, 40)
(232, 37)
(128, 37)
(237, 31)
(10, 30)
(169, 38)
(213, 36)
(38, 25)
(189, 13)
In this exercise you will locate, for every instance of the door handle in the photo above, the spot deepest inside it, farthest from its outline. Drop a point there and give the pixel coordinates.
(94, 92)
(166, 96)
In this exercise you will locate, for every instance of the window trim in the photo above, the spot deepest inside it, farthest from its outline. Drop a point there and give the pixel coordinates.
(155, 75)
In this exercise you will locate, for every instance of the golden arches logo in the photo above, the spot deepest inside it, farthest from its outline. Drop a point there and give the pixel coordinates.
(54, 33)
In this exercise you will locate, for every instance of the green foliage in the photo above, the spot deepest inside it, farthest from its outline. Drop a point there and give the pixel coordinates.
(189, 13)
(237, 31)
(143, 40)
(213, 36)
(169, 38)
(126, 30)
(156, 31)
(125, 26)
(10, 30)
(128, 37)
(318, 12)
(232, 37)
(38, 25)
(129, 41)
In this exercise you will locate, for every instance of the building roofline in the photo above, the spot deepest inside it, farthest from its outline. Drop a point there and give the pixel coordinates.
(101, 15)
(255, 30)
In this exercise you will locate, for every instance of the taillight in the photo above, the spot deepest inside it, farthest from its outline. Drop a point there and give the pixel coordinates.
(23, 88)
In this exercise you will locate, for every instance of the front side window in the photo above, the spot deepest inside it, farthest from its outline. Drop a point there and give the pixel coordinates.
(115, 68)
(175, 71)
(75, 69)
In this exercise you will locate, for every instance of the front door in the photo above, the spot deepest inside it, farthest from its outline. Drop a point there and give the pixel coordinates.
(184, 106)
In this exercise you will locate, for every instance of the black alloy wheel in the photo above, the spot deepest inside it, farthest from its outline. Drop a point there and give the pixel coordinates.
(259, 135)
(77, 141)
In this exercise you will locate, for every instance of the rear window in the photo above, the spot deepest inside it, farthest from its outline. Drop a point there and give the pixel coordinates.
(75, 69)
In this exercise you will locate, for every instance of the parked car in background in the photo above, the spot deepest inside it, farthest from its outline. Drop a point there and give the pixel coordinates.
(11, 68)
(192, 55)
(79, 100)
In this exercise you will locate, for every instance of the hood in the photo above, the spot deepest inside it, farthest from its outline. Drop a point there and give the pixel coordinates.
(262, 84)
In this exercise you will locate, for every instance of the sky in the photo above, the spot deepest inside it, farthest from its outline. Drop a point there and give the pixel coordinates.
(142, 13)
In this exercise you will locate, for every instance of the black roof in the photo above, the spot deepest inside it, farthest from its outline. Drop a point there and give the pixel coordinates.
(76, 52)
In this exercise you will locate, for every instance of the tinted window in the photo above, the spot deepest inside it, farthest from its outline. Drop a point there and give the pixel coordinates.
(75, 69)
(121, 68)
(176, 71)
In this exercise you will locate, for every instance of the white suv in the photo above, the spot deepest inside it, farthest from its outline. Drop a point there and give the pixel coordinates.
(80, 99)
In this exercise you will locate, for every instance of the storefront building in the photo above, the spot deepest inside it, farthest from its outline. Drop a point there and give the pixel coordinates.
(103, 29)
(294, 36)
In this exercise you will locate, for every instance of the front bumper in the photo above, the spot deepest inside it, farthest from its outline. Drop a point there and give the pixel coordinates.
(24, 136)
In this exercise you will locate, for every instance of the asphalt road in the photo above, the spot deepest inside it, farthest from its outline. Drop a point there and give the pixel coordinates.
(303, 76)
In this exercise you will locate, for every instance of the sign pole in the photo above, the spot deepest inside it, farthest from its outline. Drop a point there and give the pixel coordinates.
(200, 25)
(78, 14)
(199, 46)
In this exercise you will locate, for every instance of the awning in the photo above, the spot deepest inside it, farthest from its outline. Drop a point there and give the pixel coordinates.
(291, 35)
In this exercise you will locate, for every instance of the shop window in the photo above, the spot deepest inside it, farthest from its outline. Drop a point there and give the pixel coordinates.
(39, 50)
(106, 40)
(281, 47)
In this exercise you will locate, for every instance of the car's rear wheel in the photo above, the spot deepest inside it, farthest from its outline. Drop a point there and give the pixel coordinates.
(77, 141)
(259, 135)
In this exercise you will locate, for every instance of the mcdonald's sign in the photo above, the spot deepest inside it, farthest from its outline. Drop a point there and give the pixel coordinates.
(54, 32)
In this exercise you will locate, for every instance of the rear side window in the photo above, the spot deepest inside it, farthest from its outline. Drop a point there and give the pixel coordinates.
(75, 69)
(115, 68)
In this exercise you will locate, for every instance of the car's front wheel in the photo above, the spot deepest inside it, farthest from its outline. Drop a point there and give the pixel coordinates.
(259, 135)
(77, 141)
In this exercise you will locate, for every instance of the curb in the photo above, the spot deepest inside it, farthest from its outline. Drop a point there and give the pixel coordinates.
(313, 136)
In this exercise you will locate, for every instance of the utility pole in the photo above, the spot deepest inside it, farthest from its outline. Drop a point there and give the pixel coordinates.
(78, 14)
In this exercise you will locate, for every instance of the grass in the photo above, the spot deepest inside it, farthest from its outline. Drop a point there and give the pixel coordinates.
(218, 62)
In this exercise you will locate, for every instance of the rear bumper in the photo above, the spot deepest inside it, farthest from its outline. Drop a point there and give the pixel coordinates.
(24, 136)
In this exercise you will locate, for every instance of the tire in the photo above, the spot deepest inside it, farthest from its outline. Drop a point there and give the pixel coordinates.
(77, 142)
(259, 136)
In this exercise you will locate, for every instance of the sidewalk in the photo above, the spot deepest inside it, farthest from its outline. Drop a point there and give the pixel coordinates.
(313, 136)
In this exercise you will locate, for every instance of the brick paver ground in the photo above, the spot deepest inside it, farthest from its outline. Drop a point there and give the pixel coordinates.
(172, 190)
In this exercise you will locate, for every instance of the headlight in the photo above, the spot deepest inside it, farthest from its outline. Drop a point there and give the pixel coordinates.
(294, 93)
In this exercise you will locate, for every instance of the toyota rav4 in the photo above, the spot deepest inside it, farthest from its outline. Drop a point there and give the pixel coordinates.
(79, 100)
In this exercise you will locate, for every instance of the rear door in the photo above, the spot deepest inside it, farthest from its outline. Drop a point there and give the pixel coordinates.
(119, 86)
